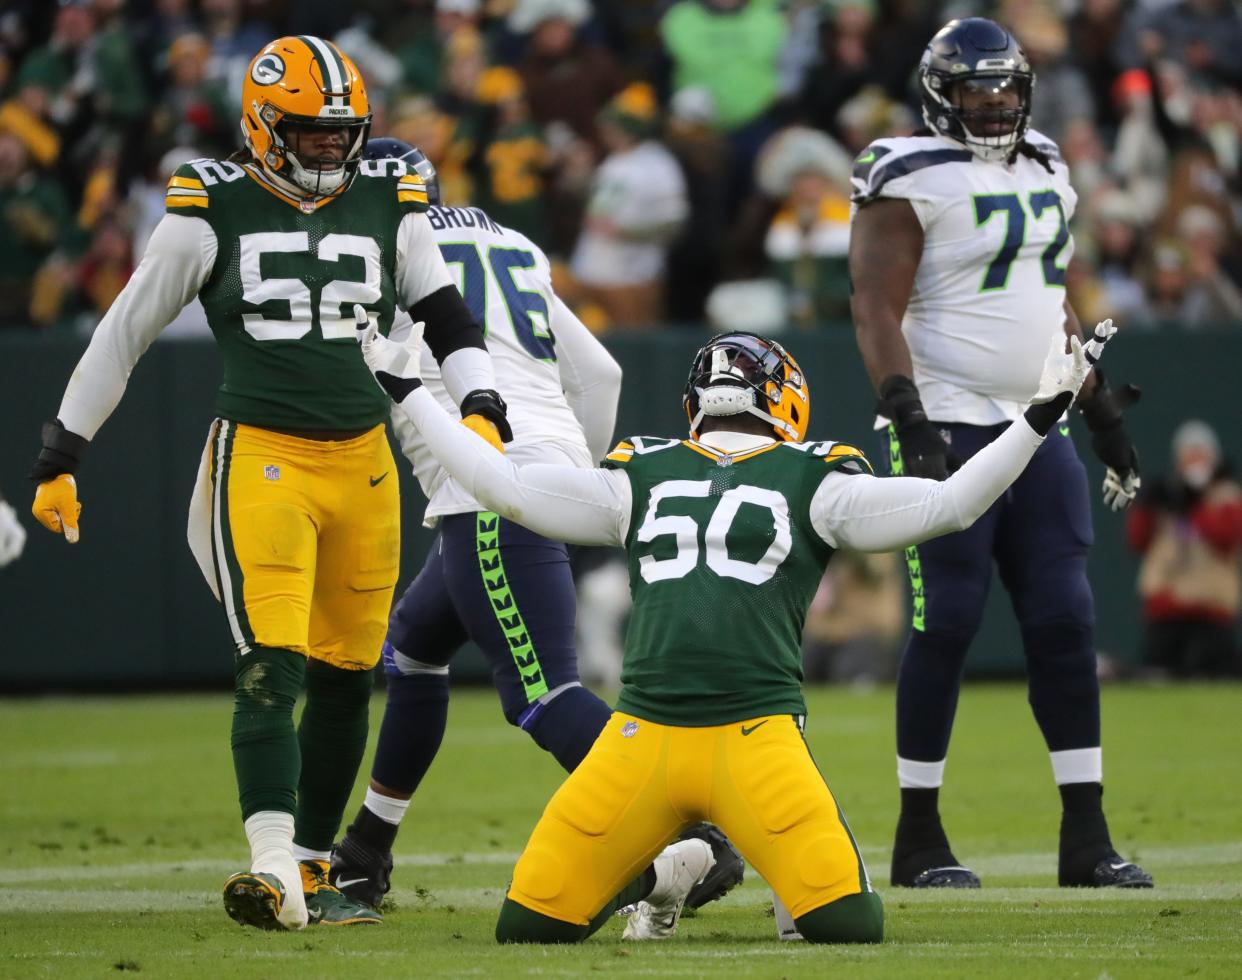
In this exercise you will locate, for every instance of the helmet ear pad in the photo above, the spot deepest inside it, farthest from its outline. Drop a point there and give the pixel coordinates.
(742, 372)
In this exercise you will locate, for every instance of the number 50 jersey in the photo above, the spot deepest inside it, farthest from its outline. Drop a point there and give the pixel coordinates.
(724, 561)
(990, 288)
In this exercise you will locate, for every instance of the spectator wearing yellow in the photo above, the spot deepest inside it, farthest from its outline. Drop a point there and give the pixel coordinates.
(33, 216)
(515, 158)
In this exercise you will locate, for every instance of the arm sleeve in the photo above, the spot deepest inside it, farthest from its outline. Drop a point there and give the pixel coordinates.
(178, 260)
(866, 513)
(590, 377)
(425, 288)
(564, 503)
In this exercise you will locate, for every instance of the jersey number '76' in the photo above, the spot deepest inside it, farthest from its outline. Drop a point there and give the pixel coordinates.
(527, 308)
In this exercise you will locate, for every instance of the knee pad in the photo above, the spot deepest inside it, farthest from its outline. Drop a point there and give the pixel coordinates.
(268, 679)
(565, 723)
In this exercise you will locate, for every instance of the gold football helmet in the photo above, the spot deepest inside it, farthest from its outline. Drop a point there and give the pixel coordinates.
(304, 82)
(743, 372)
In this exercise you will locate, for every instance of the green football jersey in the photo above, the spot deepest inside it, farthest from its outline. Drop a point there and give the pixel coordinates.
(281, 292)
(723, 565)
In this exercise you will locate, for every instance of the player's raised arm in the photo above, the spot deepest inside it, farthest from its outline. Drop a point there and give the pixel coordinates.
(591, 378)
(178, 260)
(864, 513)
(562, 502)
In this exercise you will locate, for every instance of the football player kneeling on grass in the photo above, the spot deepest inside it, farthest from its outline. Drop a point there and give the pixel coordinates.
(733, 525)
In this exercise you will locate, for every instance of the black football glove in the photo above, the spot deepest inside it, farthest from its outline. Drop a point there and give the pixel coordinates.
(488, 406)
(1110, 441)
(923, 449)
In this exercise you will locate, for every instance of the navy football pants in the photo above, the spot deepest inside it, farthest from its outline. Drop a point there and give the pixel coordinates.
(502, 586)
(1036, 535)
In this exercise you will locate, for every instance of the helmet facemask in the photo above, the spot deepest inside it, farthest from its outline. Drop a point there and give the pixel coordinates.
(317, 176)
(744, 373)
(991, 132)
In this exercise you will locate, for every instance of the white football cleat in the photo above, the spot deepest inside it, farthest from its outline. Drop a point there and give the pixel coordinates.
(678, 869)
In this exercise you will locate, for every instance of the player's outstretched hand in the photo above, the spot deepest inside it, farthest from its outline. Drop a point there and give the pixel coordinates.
(12, 534)
(56, 506)
(1065, 373)
(395, 366)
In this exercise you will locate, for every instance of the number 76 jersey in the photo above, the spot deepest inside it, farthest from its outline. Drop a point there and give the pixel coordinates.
(724, 562)
(990, 288)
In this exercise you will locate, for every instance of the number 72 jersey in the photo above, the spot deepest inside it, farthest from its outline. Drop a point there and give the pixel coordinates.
(990, 288)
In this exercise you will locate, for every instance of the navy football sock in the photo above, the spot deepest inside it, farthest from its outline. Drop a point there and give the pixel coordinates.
(413, 728)
(567, 726)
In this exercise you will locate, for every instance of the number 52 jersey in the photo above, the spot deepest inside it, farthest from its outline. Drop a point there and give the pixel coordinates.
(990, 288)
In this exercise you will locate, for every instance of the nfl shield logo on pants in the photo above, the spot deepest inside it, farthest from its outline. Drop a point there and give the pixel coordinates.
(271, 472)
(629, 729)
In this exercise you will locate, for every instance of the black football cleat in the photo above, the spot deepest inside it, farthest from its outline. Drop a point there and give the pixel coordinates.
(1112, 871)
(725, 875)
(952, 876)
(360, 871)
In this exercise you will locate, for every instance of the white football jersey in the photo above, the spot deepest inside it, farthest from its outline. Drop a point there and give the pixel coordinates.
(506, 282)
(990, 288)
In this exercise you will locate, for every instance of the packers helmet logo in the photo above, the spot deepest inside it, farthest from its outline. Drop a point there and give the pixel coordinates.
(268, 69)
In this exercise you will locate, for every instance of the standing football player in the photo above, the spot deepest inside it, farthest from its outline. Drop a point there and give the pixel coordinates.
(295, 518)
(486, 578)
(957, 257)
(727, 534)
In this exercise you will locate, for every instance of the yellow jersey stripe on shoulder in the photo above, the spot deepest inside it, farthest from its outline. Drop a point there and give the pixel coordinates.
(184, 192)
(623, 446)
(620, 455)
(185, 201)
(412, 197)
(191, 183)
(411, 179)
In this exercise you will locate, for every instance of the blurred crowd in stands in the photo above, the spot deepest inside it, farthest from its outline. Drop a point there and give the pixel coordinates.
(681, 161)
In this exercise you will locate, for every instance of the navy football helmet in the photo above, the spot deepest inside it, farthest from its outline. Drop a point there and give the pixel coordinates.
(388, 148)
(978, 57)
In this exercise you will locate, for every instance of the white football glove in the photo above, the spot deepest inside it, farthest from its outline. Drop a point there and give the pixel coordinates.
(12, 534)
(395, 366)
(1066, 372)
(1120, 491)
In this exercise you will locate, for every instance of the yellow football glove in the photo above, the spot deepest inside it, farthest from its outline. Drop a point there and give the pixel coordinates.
(486, 428)
(56, 506)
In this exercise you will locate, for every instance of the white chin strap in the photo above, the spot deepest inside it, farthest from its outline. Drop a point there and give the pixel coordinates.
(731, 399)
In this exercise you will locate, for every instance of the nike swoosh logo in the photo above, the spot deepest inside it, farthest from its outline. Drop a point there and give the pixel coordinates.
(1064, 429)
(867, 157)
(747, 731)
(375, 480)
(346, 882)
(1118, 867)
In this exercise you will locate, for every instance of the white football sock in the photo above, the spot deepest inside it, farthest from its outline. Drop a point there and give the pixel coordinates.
(919, 775)
(270, 833)
(385, 807)
(1078, 766)
(306, 854)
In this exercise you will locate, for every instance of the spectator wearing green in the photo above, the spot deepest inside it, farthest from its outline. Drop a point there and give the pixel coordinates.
(732, 49)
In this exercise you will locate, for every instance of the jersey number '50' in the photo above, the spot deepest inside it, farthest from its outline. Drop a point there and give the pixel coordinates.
(685, 533)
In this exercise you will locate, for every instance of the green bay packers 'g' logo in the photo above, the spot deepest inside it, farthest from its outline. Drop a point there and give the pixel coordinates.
(268, 70)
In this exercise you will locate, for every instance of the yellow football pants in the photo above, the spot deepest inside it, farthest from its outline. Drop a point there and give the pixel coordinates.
(305, 541)
(642, 783)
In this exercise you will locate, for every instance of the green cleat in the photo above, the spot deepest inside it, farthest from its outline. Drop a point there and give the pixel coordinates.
(254, 899)
(326, 904)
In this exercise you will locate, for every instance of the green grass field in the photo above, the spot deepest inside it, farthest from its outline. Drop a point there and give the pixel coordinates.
(118, 822)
